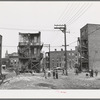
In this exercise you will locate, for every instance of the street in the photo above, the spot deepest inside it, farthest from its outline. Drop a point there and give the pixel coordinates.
(38, 81)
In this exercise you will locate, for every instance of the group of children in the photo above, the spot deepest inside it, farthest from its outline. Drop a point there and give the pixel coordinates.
(54, 73)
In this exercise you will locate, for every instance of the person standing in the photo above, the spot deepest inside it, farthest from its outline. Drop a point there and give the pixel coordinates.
(96, 72)
(62, 71)
(91, 73)
(56, 74)
(49, 73)
(45, 74)
(53, 74)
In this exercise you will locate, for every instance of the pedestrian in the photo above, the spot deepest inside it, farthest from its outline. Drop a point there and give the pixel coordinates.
(53, 74)
(76, 71)
(49, 73)
(45, 74)
(62, 71)
(91, 73)
(96, 72)
(56, 74)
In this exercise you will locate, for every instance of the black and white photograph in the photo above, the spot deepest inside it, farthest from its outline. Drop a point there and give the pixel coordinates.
(49, 45)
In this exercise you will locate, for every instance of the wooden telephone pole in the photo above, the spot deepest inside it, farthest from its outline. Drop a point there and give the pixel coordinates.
(63, 29)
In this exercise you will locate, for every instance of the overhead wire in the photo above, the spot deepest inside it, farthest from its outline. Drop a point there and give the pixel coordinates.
(70, 9)
(57, 35)
(70, 13)
(44, 46)
(79, 10)
(82, 9)
(66, 11)
(26, 29)
(66, 8)
(80, 15)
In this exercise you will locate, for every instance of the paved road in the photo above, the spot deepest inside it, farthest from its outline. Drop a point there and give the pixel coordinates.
(37, 81)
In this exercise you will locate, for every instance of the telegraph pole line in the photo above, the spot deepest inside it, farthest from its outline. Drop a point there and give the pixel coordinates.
(63, 29)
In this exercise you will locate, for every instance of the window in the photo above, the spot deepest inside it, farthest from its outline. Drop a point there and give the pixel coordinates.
(60, 64)
(72, 54)
(57, 64)
(53, 64)
(35, 50)
(35, 39)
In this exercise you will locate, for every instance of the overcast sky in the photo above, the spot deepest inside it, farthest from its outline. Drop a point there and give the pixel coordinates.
(41, 16)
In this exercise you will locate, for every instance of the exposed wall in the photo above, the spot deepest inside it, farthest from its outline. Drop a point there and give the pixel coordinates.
(94, 46)
(0, 51)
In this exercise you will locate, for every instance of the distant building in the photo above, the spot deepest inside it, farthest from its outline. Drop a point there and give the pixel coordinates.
(6, 61)
(57, 59)
(89, 47)
(29, 51)
(14, 61)
(10, 60)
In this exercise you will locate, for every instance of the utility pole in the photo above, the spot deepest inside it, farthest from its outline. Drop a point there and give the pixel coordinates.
(48, 54)
(63, 29)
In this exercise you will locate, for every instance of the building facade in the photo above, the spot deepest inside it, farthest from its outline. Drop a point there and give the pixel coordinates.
(11, 60)
(57, 59)
(29, 51)
(0, 52)
(14, 61)
(89, 47)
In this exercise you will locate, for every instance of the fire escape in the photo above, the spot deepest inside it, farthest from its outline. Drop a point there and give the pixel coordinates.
(84, 51)
(28, 60)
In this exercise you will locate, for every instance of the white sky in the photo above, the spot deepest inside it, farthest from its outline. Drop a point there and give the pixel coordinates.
(42, 16)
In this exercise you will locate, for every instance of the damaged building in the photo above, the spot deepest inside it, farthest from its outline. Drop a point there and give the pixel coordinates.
(29, 51)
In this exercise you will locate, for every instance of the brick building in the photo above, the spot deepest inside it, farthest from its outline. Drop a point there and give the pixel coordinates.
(29, 51)
(57, 59)
(14, 61)
(89, 47)
(10, 60)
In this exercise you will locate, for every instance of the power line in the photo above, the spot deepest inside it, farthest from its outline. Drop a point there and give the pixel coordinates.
(70, 9)
(68, 15)
(63, 12)
(80, 15)
(43, 46)
(72, 42)
(77, 13)
(25, 29)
